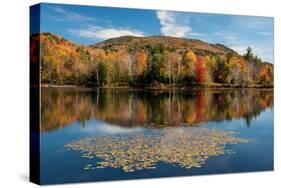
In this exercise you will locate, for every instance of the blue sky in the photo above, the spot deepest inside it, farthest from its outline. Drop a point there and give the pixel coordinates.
(89, 25)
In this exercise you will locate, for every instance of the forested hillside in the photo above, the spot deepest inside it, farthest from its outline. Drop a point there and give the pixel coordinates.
(156, 61)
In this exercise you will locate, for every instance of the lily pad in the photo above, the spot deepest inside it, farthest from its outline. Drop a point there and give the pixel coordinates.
(186, 147)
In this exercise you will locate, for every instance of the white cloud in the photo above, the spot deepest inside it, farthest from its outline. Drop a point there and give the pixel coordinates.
(96, 32)
(240, 49)
(171, 25)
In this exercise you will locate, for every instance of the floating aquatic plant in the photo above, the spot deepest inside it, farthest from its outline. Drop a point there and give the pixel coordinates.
(186, 147)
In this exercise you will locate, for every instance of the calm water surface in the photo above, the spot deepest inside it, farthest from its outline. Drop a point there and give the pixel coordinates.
(72, 114)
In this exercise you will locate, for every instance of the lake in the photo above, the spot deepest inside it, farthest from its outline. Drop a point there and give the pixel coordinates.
(114, 134)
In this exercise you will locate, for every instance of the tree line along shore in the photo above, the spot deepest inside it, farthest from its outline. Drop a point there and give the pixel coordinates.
(156, 62)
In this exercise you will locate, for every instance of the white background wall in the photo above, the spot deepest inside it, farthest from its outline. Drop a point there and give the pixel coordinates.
(14, 96)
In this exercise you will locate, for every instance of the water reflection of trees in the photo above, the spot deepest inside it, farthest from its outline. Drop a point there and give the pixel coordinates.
(61, 107)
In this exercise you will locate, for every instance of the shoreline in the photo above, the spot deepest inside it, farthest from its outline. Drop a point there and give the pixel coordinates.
(195, 87)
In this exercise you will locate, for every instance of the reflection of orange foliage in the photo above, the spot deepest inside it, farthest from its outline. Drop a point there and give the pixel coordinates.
(190, 118)
(266, 101)
(61, 108)
(200, 106)
(141, 112)
(60, 112)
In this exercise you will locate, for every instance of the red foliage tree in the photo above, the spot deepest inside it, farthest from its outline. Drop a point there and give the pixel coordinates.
(200, 70)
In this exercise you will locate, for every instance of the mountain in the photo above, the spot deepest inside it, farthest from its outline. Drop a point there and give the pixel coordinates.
(153, 61)
(181, 44)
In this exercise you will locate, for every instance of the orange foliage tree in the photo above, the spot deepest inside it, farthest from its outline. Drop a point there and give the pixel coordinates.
(140, 59)
(266, 75)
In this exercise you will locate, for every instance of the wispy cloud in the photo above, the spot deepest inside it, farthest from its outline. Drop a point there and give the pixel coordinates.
(257, 23)
(197, 34)
(226, 36)
(96, 32)
(69, 15)
(265, 51)
(240, 42)
(171, 25)
(87, 29)
(265, 33)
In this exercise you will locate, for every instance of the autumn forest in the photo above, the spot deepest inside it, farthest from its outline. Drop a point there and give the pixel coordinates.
(156, 62)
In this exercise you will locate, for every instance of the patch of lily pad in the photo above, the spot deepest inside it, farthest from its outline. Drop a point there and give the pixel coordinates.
(186, 147)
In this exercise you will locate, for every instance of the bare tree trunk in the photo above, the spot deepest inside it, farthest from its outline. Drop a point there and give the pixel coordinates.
(170, 72)
(130, 65)
(178, 71)
(98, 79)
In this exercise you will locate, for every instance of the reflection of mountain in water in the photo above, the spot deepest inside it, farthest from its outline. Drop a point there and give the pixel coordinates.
(60, 107)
